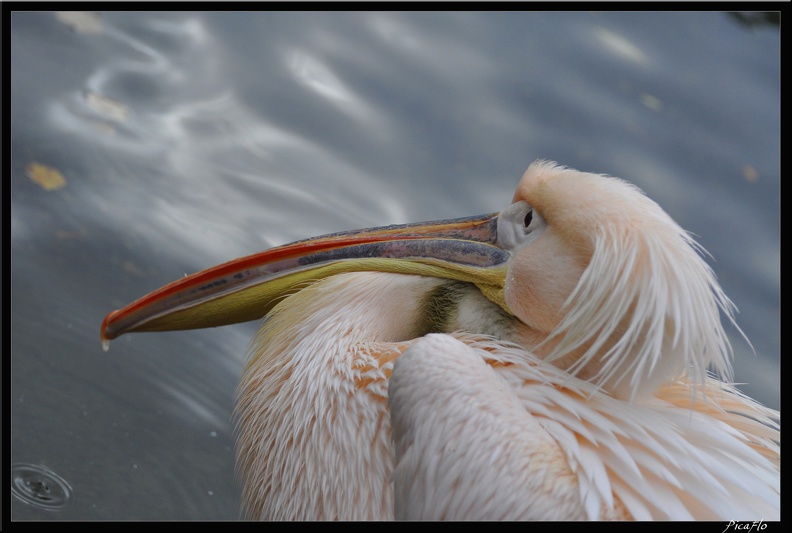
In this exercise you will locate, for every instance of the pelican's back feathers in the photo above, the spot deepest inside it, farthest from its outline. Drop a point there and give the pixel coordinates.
(662, 459)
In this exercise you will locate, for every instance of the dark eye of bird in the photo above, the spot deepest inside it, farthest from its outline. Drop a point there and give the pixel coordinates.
(528, 218)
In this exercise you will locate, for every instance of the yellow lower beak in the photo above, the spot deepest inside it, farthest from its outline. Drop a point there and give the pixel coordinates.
(247, 288)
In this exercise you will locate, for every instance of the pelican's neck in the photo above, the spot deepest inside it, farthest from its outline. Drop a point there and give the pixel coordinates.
(461, 307)
(314, 430)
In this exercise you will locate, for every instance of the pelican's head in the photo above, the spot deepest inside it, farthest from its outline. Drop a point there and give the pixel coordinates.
(618, 288)
(594, 277)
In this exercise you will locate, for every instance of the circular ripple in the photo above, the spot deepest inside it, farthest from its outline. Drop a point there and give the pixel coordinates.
(39, 486)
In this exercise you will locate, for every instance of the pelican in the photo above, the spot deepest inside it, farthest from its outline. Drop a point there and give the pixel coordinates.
(563, 359)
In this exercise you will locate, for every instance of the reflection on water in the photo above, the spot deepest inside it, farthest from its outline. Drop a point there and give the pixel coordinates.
(186, 139)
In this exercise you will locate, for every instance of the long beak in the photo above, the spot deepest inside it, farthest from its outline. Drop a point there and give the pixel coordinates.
(246, 289)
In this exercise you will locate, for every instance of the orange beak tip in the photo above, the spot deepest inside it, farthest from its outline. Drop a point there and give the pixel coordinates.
(103, 333)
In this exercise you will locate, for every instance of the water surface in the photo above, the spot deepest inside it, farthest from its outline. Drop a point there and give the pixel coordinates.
(182, 140)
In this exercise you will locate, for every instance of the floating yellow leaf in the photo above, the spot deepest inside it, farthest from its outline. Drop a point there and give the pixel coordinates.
(81, 21)
(47, 177)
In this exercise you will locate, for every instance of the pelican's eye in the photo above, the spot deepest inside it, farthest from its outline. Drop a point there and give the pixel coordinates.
(518, 225)
(528, 219)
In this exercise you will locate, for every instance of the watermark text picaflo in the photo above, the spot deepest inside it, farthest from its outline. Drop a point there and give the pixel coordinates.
(745, 527)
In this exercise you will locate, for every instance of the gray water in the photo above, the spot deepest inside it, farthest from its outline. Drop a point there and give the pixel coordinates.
(188, 139)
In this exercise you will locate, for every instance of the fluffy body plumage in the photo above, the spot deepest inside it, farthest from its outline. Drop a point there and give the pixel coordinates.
(314, 437)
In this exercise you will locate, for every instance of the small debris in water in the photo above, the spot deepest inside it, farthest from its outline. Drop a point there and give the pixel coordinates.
(48, 178)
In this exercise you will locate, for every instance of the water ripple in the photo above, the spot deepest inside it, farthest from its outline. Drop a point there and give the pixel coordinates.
(38, 486)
